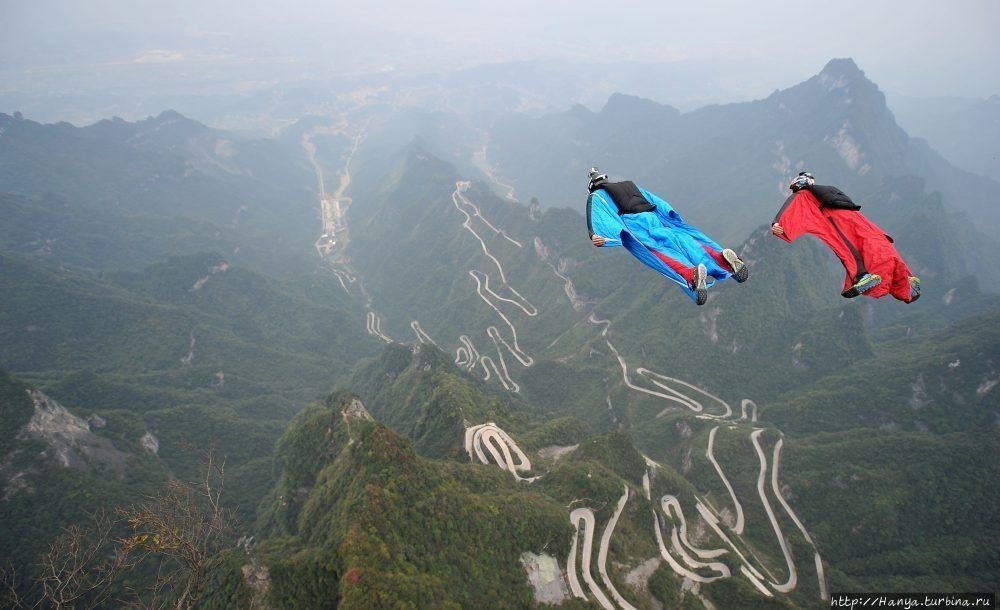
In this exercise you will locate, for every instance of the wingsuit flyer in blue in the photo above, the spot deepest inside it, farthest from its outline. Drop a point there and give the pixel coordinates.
(622, 214)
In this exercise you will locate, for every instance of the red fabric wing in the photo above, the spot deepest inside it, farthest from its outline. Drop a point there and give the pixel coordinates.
(857, 242)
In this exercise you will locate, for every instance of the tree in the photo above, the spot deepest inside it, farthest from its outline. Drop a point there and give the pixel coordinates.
(80, 568)
(178, 533)
(186, 526)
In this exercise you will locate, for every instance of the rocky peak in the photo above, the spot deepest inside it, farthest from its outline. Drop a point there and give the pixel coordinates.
(844, 68)
(174, 120)
(840, 81)
(150, 443)
(619, 102)
(53, 424)
(845, 75)
(72, 443)
(356, 409)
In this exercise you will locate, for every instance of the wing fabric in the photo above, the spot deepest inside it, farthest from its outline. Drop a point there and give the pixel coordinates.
(604, 219)
(670, 218)
(606, 222)
(859, 243)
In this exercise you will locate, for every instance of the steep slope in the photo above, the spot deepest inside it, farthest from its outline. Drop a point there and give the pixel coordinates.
(620, 348)
(520, 296)
(420, 393)
(547, 381)
(201, 353)
(358, 516)
(738, 506)
(115, 302)
(365, 518)
(56, 467)
(904, 442)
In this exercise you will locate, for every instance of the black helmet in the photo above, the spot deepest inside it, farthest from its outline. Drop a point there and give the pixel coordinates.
(597, 178)
(801, 181)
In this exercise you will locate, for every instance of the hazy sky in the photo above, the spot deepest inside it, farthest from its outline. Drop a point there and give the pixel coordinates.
(920, 48)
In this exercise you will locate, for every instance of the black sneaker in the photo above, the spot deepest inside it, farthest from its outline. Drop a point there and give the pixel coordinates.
(740, 270)
(699, 285)
(866, 283)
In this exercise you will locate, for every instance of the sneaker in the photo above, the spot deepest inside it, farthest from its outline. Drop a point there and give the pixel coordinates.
(914, 288)
(699, 285)
(740, 270)
(866, 283)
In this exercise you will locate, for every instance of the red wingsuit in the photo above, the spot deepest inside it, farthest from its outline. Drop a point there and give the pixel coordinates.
(860, 245)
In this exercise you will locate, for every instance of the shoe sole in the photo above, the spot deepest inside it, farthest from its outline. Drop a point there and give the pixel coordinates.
(914, 289)
(700, 285)
(740, 270)
(856, 290)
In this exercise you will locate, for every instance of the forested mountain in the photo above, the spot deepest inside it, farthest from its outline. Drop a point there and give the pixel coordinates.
(189, 355)
(429, 392)
(123, 195)
(866, 476)
(158, 278)
(521, 283)
(727, 165)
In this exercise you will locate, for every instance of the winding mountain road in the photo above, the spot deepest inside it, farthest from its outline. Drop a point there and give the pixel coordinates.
(501, 447)
(466, 355)
(586, 516)
(710, 454)
(790, 563)
(489, 444)
(602, 554)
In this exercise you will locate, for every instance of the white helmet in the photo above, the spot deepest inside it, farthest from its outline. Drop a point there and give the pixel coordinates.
(801, 181)
(597, 178)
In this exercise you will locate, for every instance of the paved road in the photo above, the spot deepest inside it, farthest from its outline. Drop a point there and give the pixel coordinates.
(587, 517)
(740, 521)
(788, 585)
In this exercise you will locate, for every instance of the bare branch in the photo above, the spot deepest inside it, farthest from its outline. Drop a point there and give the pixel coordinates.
(187, 526)
(183, 528)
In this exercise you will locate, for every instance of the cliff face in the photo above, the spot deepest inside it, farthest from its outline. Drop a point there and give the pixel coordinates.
(68, 439)
(58, 468)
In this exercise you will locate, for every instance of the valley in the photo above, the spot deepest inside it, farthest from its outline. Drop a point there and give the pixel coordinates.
(429, 390)
(723, 516)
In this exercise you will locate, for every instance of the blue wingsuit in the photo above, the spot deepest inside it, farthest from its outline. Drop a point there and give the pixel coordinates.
(626, 215)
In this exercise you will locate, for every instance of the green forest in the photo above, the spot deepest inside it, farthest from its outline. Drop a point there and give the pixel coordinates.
(460, 398)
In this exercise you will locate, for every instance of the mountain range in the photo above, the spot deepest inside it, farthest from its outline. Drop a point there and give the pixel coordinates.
(963, 130)
(430, 392)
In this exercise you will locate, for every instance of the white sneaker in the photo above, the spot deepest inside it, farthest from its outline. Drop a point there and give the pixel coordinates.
(699, 284)
(740, 270)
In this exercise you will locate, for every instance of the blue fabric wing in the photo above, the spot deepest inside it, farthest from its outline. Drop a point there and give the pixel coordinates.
(646, 256)
(604, 219)
(606, 222)
(670, 218)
